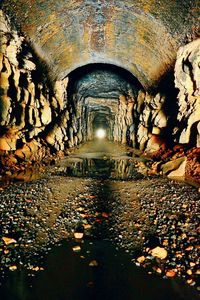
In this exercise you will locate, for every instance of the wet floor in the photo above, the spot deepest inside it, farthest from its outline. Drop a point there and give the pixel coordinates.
(102, 193)
(98, 271)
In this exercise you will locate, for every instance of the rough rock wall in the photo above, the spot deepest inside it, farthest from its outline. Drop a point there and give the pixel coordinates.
(141, 121)
(187, 80)
(149, 121)
(28, 103)
(123, 120)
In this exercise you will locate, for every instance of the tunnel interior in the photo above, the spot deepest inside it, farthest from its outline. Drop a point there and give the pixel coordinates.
(99, 94)
(125, 68)
(99, 117)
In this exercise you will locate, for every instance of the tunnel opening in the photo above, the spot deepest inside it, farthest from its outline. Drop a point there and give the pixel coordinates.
(102, 96)
(101, 128)
(85, 70)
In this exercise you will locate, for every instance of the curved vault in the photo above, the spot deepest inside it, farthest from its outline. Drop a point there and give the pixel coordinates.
(101, 80)
(141, 36)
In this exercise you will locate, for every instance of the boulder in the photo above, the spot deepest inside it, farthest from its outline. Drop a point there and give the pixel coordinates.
(193, 165)
(173, 165)
(180, 172)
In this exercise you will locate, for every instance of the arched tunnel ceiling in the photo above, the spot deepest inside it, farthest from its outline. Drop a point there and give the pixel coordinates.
(141, 36)
(102, 80)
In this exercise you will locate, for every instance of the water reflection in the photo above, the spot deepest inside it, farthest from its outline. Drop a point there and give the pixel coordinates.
(104, 168)
(69, 276)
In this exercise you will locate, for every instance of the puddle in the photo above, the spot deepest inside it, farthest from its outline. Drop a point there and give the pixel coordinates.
(98, 271)
(119, 168)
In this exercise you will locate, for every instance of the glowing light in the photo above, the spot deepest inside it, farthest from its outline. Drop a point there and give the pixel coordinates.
(100, 133)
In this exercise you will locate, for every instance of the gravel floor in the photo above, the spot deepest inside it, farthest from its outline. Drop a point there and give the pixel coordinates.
(138, 216)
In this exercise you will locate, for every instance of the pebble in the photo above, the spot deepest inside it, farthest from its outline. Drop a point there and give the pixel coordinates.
(159, 252)
(8, 240)
(76, 249)
(141, 259)
(78, 235)
(170, 273)
(93, 263)
(158, 270)
(12, 268)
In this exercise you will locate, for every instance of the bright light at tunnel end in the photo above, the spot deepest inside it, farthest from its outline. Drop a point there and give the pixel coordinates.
(100, 133)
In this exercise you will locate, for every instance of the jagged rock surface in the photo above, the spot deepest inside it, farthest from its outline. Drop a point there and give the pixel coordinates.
(28, 102)
(187, 80)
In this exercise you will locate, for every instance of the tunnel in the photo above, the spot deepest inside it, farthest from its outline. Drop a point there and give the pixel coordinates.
(101, 95)
(136, 63)
(99, 149)
(101, 127)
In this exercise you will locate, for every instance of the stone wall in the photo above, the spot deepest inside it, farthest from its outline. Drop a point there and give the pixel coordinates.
(187, 80)
(29, 103)
(141, 121)
(153, 121)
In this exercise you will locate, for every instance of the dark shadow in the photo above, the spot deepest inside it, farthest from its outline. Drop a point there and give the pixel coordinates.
(166, 87)
(193, 134)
